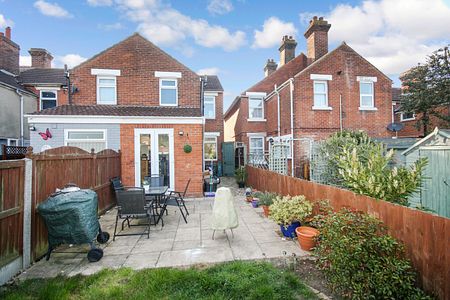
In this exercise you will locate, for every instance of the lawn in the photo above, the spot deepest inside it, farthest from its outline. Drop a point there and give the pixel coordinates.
(234, 280)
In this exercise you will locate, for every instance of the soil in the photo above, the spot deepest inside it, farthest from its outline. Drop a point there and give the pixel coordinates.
(309, 274)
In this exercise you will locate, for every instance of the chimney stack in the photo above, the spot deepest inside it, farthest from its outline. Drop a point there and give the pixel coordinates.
(9, 53)
(8, 32)
(270, 67)
(317, 38)
(287, 49)
(40, 58)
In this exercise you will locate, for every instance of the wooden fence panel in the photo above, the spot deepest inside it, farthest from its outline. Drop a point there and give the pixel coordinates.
(57, 167)
(426, 236)
(11, 210)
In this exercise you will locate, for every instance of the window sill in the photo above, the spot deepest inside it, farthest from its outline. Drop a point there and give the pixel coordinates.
(322, 108)
(368, 108)
(406, 120)
(210, 118)
(106, 103)
(256, 120)
(168, 104)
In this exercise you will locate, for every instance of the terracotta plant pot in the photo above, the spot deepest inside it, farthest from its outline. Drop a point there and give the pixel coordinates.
(306, 237)
(265, 210)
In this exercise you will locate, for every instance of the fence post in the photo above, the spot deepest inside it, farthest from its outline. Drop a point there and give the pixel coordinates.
(94, 169)
(27, 213)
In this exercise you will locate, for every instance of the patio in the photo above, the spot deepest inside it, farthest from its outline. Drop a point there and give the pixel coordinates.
(178, 244)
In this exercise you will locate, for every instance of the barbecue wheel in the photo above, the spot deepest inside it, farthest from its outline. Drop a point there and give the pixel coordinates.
(103, 237)
(95, 255)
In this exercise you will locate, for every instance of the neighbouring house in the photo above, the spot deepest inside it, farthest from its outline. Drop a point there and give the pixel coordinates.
(15, 99)
(50, 84)
(136, 98)
(308, 97)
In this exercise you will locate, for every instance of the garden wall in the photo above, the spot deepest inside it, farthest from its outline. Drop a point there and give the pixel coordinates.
(426, 236)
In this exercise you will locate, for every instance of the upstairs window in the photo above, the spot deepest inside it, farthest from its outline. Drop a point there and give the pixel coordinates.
(404, 116)
(320, 94)
(255, 108)
(210, 107)
(48, 99)
(168, 92)
(366, 94)
(106, 90)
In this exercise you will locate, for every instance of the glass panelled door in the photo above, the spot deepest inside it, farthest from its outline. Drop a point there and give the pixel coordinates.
(154, 155)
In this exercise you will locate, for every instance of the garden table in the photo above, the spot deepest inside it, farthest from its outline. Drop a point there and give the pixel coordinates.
(157, 193)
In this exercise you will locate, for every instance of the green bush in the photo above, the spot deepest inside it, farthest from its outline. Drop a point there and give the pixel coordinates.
(265, 198)
(361, 261)
(286, 210)
(373, 177)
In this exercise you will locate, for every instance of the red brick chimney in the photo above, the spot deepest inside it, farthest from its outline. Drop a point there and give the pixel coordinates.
(317, 38)
(40, 58)
(270, 67)
(9, 53)
(287, 49)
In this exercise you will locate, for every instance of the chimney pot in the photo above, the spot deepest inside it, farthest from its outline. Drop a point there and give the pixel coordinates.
(8, 32)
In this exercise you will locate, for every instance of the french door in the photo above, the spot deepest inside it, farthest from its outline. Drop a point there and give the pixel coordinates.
(153, 155)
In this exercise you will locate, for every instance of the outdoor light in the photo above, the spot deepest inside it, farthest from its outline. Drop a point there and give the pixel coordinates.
(32, 128)
(181, 133)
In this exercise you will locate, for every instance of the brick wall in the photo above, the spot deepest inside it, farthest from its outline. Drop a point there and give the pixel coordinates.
(410, 129)
(187, 165)
(216, 125)
(62, 96)
(137, 59)
(9, 55)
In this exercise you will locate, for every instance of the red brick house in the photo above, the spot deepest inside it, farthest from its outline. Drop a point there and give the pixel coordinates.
(310, 96)
(135, 98)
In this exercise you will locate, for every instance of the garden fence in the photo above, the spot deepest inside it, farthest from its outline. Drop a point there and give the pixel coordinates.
(426, 236)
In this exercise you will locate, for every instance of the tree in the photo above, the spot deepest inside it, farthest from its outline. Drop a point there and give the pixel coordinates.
(427, 90)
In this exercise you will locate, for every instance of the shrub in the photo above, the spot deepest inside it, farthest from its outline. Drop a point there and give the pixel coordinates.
(286, 210)
(241, 174)
(373, 176)
(361, 261)
(265, 198)
(331, 149)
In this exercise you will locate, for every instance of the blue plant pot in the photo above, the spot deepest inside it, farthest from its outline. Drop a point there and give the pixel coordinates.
(289, 231)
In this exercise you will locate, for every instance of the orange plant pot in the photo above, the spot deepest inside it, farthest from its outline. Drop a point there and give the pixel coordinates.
(266, 210)
(306, 237)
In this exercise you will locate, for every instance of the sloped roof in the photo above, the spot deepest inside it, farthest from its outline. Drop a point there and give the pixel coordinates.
(445, 133)
(396, 94)
(12, 81)
(120, 110)
(43, 76)
(212, 83)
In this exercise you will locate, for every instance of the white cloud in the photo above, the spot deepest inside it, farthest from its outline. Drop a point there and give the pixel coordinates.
(166, 26)
(393, 35)
(71, 60)
(25, 60)
(273, 30)
(100, 2)
(109, 27)
(4, 22)
(51, 9)
(220, 7)
(209, 71)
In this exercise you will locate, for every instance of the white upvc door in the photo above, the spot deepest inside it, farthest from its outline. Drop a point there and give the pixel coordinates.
(152, 149)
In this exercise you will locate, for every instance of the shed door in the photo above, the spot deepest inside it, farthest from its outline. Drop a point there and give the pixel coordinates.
(436, 187)
(228, 158)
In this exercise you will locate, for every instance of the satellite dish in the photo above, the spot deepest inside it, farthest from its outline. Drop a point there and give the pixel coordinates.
(395, 127)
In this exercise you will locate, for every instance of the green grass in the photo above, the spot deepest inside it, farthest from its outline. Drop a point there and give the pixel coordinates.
(235, 280)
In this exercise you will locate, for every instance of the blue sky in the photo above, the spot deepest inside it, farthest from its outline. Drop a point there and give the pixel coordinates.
(230, 38)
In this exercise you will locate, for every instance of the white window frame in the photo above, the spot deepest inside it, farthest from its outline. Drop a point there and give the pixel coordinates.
(168, 87)
(319, 107)
(210, 136)
(106, 86)
(214, 105)
(42, 99)
(402, 119)
(67, 131)
(250, 118)
(261, 137)
(361, 95)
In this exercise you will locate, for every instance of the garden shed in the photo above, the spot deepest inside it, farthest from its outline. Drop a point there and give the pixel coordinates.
(435, 192)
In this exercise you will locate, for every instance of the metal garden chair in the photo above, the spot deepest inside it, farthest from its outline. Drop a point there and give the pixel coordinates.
(177, 199)
(131, 204)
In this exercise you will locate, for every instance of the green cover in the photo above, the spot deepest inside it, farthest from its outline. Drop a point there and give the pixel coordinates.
(71, 218)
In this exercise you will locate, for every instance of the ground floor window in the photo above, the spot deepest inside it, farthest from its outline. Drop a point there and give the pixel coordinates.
(256, 149)
(86, 139)
(210, 148)
(404, 116)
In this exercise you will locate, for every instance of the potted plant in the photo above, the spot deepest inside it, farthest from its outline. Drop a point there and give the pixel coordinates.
(241, 176)
(307, 235)
(255, 202)
(289, 212)
(265, 200)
